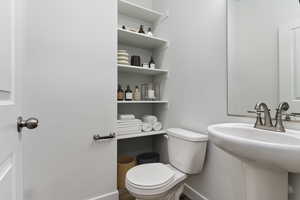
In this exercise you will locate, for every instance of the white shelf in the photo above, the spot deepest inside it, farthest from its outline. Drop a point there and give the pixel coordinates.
(142, 41)
(139, 40)
(139, 12)
(142, 134)
(141, 70)
(142, 102)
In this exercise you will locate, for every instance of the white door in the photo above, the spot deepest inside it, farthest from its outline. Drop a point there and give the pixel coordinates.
(67, 53)
(69, 84)
(289, 64)
(10, 139)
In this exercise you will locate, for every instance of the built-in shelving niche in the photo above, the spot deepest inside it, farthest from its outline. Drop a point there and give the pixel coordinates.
(132, 16)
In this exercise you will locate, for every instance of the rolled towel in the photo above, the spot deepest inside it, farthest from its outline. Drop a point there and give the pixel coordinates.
(149, 119)
(146, 127)
(157, 126)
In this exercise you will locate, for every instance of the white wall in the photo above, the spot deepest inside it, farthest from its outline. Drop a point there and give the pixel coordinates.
(197, 84)
(197, 60)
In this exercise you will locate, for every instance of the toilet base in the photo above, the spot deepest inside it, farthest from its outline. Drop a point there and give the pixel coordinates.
(172, 194)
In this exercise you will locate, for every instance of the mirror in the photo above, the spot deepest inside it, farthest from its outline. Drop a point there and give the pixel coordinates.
(253, 50)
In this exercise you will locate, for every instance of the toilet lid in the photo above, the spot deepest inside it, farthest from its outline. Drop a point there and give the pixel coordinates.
(150, 175)
(187, 135)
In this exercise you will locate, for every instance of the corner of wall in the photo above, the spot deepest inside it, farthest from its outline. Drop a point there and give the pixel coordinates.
(191, 193)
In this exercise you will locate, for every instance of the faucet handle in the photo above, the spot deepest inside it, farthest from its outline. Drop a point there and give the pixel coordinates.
(284, 106)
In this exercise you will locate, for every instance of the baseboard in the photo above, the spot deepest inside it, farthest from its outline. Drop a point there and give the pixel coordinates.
(108, 196)
(192, 194)
(188, 191)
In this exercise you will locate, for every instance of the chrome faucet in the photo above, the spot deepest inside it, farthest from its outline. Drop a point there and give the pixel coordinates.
(267, 123)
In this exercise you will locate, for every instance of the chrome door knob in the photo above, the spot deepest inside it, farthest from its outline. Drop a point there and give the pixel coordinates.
(30, 123)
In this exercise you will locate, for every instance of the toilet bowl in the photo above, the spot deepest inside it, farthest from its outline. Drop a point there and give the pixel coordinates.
(186, 150)
(153, 181)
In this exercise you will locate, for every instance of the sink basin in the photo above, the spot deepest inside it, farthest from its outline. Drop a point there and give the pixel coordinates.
(267, 157)
(280, 150)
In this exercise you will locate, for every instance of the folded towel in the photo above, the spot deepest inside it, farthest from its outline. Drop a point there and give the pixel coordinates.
(126, 117)
(123, 58)
(129, 121)
(123, 54)
(157, 126)
(129, 126)
(123, 61)
(146, 127)
(128, 132)
(133, 129)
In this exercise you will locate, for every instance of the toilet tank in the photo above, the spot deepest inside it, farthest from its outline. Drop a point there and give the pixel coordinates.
(186, 150)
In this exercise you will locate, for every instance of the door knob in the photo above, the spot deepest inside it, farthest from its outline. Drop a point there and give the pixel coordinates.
(30, 123)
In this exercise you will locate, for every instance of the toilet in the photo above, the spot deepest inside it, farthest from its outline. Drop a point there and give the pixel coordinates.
(186, 150)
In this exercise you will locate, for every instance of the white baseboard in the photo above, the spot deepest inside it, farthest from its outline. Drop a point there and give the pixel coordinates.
(188, 191)
(192, 194)
(108, 196)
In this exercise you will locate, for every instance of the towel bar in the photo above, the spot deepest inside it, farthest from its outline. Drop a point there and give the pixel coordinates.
(98, 137)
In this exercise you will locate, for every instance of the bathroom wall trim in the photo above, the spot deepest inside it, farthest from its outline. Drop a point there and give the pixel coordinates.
(108, 196)
(191, 193)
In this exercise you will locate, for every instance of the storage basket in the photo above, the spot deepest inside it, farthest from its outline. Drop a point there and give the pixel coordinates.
(124, 164)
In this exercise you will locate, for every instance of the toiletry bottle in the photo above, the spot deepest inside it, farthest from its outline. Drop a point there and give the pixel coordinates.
(149, 33)
(120, 93)
(142, 29)
(151, 92)
(137, 94)
(152, 63)
(128, 94)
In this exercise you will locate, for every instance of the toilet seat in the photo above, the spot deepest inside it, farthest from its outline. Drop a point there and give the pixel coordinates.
(150, 176)
(152, 179)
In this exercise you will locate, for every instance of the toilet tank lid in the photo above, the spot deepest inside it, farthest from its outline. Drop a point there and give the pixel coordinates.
(187, 135)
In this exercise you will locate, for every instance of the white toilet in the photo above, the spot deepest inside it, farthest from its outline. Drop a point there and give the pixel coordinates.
(186, 151)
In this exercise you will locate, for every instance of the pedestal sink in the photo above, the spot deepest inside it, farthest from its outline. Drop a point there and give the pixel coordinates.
(267, 157)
